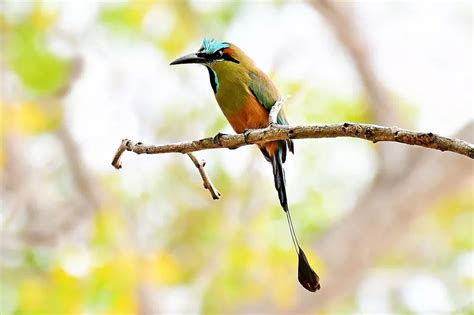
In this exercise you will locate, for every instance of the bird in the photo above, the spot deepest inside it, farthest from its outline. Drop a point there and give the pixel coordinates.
(246, 95)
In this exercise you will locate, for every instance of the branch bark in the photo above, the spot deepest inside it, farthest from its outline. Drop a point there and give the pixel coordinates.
(215, 194)
(369, 132)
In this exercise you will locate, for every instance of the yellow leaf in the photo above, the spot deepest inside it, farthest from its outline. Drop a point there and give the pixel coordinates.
(166, 269)
(125, 267)
(2, 157)
(4, 114)
(316, 262)
(61, 277)
(42, 19)
(139, 8)
(126, 304)
(67, 294)
(33, 294)
(283, 287)
(32, 118)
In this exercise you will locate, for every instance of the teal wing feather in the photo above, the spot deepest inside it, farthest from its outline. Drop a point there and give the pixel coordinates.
(263, 89)
(266, 93)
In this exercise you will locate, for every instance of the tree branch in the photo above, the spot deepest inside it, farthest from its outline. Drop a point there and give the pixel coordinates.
(205, 178)
(128, 145)
(369, 132)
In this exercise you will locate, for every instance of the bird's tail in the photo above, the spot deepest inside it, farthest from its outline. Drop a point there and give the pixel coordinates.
(306, 276)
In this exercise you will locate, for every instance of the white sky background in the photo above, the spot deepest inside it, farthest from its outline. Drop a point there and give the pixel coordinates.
(421, 50)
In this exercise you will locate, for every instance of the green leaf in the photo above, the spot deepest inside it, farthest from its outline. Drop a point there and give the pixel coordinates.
(38, 69)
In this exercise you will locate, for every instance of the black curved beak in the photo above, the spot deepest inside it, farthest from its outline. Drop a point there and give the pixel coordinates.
(191, 58)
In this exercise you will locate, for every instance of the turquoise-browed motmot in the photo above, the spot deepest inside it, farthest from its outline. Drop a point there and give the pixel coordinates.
(245, 95)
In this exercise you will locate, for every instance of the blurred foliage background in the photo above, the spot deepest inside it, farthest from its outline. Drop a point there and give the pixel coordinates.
(389, 229)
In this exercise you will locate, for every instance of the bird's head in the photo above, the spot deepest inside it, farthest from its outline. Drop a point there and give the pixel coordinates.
(210, 53)
(222, 60)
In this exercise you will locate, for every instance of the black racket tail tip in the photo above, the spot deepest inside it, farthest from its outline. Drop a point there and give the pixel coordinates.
(306, 275)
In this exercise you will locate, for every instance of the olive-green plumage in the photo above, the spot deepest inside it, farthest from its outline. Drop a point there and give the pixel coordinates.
(245, 95)
(240, 81)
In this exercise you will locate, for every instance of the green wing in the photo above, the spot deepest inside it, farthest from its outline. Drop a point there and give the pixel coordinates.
(266, 93)
(263, 89)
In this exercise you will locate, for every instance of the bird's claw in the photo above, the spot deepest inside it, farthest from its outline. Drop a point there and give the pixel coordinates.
(246, 134)
(217, 138)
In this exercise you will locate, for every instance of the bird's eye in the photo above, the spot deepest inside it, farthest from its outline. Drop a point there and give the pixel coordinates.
(219, 53)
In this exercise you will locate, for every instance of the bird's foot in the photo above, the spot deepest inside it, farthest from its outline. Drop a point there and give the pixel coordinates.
(273, 125)
(217, 138)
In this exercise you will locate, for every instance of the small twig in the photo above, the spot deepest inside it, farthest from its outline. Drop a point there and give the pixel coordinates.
(128, 145)
(117, 163)
(272, 116)
(205, 178)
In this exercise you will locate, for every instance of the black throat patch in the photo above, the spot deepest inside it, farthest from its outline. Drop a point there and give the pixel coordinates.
(213, 79)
